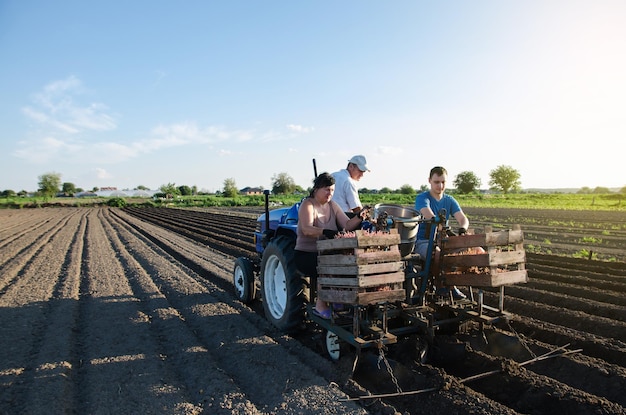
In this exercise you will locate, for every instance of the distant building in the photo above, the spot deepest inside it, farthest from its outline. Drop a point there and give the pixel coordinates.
(251, 191)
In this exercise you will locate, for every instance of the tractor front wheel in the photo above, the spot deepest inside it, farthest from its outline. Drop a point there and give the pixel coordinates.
(282, 287)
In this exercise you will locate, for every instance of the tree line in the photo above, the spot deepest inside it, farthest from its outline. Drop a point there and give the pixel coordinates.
(502, 179)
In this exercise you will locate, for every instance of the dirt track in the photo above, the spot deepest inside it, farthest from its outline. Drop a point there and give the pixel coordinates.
(102, 311)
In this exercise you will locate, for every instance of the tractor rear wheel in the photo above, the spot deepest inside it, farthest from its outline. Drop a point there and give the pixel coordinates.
(243, 280)
(282, 287)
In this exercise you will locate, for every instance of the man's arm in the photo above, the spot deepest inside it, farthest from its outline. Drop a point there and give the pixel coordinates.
(462, 220)
(427, 213)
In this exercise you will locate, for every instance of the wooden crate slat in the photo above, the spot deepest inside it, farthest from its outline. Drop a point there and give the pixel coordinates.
(374, 297)
(360, 269)
(496, 279)
(507, 257)
(332, 295)
(361, 281)
(362, 239)
(485, 240)
(484, 260)
(360, 258)
(465, 241)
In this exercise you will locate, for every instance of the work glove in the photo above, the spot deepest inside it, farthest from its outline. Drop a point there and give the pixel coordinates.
(329, 233)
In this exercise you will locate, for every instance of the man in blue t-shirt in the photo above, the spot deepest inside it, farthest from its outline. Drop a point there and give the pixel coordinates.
(429, 203)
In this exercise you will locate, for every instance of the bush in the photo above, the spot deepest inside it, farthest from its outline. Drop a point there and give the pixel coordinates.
(117, 202)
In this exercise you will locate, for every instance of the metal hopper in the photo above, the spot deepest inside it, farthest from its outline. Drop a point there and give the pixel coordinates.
(404, 219)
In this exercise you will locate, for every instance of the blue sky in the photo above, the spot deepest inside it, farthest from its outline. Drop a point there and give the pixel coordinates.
(129, 93)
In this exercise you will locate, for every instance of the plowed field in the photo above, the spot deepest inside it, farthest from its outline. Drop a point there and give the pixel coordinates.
(131, 311)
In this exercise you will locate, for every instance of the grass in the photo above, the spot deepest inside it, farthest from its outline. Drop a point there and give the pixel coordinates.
(564, 201)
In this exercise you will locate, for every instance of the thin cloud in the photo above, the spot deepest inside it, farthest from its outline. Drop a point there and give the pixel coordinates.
(102, 173)
(58, 107)
(45, 149)
(65, 127)
(389, 150)
(300, 128)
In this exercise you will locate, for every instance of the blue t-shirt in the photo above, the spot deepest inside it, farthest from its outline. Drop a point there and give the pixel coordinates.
(447, 202)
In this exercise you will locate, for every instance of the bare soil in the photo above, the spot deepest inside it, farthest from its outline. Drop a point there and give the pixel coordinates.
(126, 311)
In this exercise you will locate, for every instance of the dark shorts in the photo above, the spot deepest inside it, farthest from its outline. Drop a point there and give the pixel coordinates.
(306, 262)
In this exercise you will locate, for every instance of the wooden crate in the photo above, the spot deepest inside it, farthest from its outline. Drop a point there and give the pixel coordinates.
(502, 263)
(365, 269)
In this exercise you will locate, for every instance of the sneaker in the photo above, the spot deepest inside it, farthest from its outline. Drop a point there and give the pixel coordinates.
(338, 307)
(322, 314)
(456, 293)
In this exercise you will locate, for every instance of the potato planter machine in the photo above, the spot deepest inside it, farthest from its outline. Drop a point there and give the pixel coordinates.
(378, 289)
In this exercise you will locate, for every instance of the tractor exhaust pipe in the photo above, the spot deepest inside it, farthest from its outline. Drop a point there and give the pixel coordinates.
(267, 210)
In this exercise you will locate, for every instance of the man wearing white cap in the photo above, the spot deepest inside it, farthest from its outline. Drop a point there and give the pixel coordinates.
(346, 193)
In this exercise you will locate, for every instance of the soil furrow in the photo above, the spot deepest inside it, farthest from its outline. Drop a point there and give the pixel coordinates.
(585, 303)
(52, 385)
(573, 319)
(606, 280)
(523, 390)
(609, 350)
(132, 311)
(16, 257)
(118, 372)
(178, 346)
(29, 345)
(581, 291)
(215, 320)
(585, 373)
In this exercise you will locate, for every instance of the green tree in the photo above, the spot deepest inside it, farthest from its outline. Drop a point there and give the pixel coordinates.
(169, 189)
(407, 189)
(49, 184)
(68, 188)
(8, 193)
(466, 182)
(601, 190)
(585, 190)
(505, 179)
(142, 187)
(184, 190)
(283, 184)
(230, 188)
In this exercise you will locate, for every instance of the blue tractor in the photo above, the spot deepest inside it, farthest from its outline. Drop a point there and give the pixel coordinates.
(285, 292)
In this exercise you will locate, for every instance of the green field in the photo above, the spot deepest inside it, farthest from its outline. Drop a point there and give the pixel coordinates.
(566, 201)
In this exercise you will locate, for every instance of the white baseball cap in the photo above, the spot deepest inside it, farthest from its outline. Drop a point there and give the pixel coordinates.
(360, 162)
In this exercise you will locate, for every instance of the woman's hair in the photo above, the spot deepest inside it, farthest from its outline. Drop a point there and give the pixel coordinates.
(323, 180)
